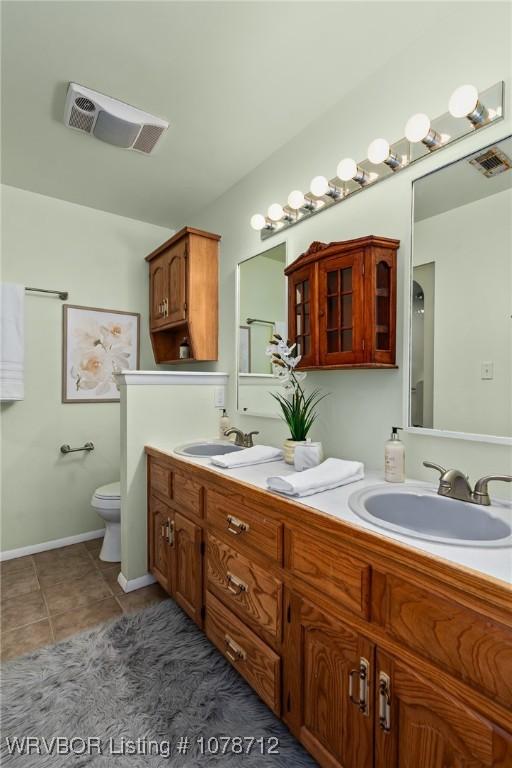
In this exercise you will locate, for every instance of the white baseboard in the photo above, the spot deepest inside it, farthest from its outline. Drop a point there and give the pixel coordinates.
(129, 585)
(32, 549)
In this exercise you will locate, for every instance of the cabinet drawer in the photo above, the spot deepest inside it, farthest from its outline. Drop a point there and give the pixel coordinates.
(462, 641)
(330, 568)
(253, 659)
(160, 478)
(187, 495)
(245, 525)
(245, 587)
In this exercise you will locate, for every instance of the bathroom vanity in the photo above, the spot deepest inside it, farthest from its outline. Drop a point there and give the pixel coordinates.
(372, 651)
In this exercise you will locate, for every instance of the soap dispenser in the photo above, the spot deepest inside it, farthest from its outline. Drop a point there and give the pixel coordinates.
(394, 459)
(223, 424)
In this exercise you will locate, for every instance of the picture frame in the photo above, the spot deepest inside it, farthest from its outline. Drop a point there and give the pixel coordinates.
(96, 343)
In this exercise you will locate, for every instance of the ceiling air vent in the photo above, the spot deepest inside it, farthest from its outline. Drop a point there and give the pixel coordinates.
(492, 162)
(111, 120)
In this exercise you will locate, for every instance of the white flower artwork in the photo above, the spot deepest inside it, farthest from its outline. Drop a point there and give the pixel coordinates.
(97, 343)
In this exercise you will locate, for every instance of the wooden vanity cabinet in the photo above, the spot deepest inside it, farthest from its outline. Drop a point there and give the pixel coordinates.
(342, 304)
(183, 295)
(375, 655)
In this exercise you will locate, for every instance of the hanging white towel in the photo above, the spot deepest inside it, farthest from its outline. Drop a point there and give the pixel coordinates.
(331, 473)
(258, 454)
(12, 352)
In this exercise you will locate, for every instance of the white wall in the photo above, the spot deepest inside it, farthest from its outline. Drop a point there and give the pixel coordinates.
(99, 258)
(471, 248)
(357, 417)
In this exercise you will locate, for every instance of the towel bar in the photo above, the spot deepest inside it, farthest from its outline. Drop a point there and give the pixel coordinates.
(68, 449)
(63, 295)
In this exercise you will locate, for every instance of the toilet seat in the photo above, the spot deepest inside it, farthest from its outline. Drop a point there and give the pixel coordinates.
(107, 496)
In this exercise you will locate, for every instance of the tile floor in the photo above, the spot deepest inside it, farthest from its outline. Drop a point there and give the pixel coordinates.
(55, 594)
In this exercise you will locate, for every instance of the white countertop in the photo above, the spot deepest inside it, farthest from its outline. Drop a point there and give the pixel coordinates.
(491, 561)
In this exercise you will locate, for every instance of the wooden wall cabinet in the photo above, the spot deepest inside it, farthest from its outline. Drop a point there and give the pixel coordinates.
(342, 304)
(183, 296)
(374, 655)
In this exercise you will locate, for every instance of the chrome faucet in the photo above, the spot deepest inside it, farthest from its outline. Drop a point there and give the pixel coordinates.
(242, 439)
(455, 485)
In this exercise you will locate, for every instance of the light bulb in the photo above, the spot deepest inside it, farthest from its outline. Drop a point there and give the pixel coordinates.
(417, 128)
(346, 169)
(463, 101)
(258, 222)
(378, 151)
(319, 186)
(296, 199)
(275, 212)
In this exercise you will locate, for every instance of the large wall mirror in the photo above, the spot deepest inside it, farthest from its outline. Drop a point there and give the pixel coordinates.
(461, 297)
(262, 311)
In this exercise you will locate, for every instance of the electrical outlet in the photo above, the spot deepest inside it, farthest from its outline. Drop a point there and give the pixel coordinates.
(487, 371)
(218, 397)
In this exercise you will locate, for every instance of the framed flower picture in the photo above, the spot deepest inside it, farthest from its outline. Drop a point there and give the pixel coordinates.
(97, 343)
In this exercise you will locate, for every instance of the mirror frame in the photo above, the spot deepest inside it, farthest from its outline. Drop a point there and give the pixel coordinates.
(263, 376)
(434, 432)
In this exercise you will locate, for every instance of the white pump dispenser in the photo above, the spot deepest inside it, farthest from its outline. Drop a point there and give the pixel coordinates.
(394, 459)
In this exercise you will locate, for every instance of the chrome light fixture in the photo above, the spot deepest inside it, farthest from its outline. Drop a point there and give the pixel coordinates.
(418, 128)
(348, 170)
(464, 102)
(468, 110)
(320, 187)
(379, 152)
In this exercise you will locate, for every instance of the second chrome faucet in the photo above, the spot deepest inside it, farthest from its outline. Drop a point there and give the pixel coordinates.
(455, 485)
(242, 439)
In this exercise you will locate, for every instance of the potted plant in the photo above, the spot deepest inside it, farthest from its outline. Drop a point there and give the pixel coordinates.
(297, 407)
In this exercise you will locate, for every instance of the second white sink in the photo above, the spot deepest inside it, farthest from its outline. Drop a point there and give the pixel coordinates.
(420, 512)
(205, 448)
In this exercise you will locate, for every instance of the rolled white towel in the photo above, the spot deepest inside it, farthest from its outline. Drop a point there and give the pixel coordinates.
(331, 473)
(258, 454)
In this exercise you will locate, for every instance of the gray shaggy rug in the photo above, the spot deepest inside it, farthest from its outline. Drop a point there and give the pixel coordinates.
(124, 694)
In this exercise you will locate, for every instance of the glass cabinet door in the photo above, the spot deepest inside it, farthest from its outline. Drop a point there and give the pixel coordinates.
(383, 300)
(302, 320)
(341, 340)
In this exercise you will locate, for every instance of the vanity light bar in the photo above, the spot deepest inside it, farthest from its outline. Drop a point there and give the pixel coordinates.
(422, 137)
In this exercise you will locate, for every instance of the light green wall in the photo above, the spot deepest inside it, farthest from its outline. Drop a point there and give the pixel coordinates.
(163, 416)
(357, 417)
(99, 258)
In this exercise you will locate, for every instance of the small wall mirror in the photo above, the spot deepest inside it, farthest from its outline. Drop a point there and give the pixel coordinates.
(262, 309)
(461, 300)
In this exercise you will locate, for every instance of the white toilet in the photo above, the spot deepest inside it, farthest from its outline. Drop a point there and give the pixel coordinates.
(106, 501)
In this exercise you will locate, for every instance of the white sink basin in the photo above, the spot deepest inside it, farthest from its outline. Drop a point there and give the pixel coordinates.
(205, 448)
(417, 511)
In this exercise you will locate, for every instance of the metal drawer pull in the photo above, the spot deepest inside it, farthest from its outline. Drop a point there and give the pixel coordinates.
(363, 674)
(236, 526)
(170, 532)
(236, 585)
(234, 652)
(384, 702)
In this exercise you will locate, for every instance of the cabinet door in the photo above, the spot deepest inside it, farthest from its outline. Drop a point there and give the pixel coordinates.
(341, 306)
(157, 292)
(188, 567)
(419, 724)
(327, 699)
(160, 537)
(380, 307)
(177, 283)
(302, 322)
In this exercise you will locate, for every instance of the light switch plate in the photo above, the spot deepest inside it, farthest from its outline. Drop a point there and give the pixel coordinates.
(487, 370)
(219, 397)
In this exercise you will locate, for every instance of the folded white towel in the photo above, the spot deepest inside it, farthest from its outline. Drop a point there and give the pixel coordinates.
(12, 302)
(258, 454)
(331, 473)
